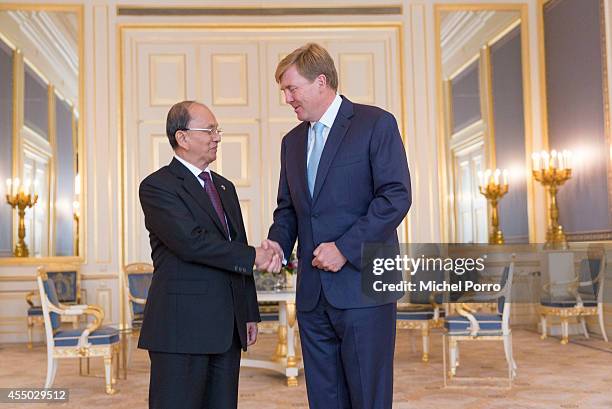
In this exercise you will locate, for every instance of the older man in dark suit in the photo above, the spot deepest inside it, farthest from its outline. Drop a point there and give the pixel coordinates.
(202, 305)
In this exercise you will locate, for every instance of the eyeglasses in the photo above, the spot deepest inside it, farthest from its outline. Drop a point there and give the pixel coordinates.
(210, 131)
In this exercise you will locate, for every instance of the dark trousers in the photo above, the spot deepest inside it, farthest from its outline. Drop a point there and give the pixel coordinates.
(348, 356)
(195, 381)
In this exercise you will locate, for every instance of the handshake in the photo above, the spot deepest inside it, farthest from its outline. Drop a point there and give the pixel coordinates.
(269, 256)
(327, 257)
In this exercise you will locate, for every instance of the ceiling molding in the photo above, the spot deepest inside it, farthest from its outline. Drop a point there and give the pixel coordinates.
(51, 37)
(463, 33)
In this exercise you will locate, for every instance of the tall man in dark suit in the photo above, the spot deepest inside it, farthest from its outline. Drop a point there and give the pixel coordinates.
(202, 305)
(344, 181)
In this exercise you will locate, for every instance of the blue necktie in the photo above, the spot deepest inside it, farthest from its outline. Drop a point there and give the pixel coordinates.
(315, 155)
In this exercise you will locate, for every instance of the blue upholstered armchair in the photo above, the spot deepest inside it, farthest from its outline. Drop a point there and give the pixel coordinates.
(577, 295)
(138, 278)
(67, 279)
(470, 325)
(423, 310)
(91, 341)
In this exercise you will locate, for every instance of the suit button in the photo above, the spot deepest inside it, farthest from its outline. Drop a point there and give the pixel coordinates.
(315, 215)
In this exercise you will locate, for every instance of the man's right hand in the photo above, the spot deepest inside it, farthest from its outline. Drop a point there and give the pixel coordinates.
(267, 259)
(274, 246)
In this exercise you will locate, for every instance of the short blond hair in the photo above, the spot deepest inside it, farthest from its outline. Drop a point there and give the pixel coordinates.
(310, 60)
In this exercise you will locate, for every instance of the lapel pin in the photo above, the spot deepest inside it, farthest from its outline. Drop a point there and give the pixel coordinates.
(223, 187)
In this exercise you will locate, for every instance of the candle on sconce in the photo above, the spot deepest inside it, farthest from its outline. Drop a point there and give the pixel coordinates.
(480, 178)
(554, 169)
(545, 159)
(493, 191)
(496, 176)
(21, 196)
(553, 159)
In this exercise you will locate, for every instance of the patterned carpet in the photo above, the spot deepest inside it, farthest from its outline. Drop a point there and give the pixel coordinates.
(549, 376)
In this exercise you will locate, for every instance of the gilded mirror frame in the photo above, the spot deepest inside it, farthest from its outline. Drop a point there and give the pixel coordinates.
(80, 233)
(448, 206)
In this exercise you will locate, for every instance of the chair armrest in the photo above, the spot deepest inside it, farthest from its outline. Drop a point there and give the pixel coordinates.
(75, 309)
(571, 288)
(136, 300)
(461, 309)
(589, 282)
(569, 284)
(434, 304)
(29, 297)
(98, 315)
(83, 309)
(75, 306)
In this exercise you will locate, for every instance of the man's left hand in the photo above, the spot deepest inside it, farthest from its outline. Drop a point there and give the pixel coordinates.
(327, 257)
(251, 333)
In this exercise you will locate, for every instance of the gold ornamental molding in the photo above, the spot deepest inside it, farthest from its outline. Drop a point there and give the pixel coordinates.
(258, 11)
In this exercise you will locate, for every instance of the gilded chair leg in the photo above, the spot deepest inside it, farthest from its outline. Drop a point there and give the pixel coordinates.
(108, 362)
(584, 327)
(425, 334)
(30, 327)
(125, 353)
(114, 367)
(564, 331)
(544, 326)
(602, 325)
(86, 366)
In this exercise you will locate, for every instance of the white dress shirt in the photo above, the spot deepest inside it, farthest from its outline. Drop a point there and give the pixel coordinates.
(327, 119)
(196, 171)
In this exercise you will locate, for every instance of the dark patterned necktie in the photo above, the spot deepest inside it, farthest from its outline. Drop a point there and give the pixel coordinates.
(213, 195)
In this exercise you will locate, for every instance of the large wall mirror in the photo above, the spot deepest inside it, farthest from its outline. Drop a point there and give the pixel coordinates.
(482, 63)
(41, 99)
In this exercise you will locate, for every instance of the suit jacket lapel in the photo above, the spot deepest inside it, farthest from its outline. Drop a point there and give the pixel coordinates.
(229, 205)
(334, 139)
(195, 190)
(299, 158)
